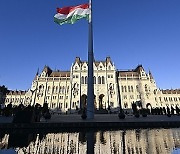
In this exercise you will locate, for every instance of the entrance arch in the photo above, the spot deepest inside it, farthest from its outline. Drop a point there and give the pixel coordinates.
(101, 101)
(95, 104)
(83, 102)
(148, 106)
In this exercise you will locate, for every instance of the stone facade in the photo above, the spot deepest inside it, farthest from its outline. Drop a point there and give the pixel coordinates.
(67, 90)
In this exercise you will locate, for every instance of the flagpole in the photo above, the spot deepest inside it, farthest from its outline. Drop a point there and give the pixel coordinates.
(90, 92)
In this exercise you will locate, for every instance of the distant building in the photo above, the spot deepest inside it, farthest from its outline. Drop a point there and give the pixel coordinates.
(67, 90)
(3, 92)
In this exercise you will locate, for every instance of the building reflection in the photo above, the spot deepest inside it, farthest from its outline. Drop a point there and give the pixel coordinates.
(146, 141)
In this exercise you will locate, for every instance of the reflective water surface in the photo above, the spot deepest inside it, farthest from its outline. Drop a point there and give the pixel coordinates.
(142, 141)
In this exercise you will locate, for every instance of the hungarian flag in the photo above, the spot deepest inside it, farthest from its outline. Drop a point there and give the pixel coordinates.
(72, 14)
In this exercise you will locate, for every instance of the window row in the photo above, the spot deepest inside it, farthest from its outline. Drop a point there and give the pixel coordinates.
(127, 89)
(131, 89)
(131, 97)
(75, 76)
(100, 80)
(57, 89)
(170, 99)
(110, 76)
(60, 105)
(55, 97)
(100, 67)
(9, 100)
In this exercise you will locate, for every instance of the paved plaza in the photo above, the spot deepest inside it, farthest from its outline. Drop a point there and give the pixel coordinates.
(111, 118)
(100, 118)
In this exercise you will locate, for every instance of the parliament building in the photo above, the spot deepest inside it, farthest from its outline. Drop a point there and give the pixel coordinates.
(67, 90)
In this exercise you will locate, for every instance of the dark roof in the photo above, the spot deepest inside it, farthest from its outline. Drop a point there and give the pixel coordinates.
(171, 91)
(133, 72)
(139, 68)
(128, 73)
(47, 70)
(60, 74)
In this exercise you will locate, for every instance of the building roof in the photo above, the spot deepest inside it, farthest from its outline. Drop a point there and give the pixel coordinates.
(104, 62)
(47, 70)
(128, 73)
(133, 72)
(60, 74)
(171, 91)
(16, 92)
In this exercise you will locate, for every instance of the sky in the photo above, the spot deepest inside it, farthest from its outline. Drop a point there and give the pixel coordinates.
(131, 32)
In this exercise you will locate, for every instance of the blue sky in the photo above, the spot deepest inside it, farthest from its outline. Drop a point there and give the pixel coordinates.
(132, 32)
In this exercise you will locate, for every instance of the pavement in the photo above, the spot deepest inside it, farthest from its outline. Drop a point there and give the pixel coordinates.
(111, 118)
(100, 118)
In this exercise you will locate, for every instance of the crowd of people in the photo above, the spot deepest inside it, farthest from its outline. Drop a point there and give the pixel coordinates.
(156, 111)
(30, 113)
(26, 114)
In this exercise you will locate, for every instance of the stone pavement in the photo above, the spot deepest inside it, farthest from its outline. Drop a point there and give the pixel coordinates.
(110, 118)
(100, 118)
(100, 121)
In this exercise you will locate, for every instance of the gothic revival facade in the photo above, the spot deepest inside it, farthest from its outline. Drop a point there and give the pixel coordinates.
(67, 90)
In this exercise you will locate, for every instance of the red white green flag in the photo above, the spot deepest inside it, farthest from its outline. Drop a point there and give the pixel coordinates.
(72, 14)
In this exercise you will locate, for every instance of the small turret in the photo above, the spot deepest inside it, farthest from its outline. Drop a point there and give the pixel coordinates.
(46, 71)
(139, 69)
(78, 60)
(108, 60)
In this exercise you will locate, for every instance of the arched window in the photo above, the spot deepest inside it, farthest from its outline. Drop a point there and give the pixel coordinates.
(137, 88)
(40, 86)
(154, 91)
(132, 89)
(129, 88)
(48, 89)
(146, 88)
(99, 80)
(103, 80)
(125, 89)
(67, 89)
(86, 80)
(122, 87)
(53, 90)
(125, 105)
(94, 80)
(63, 89)
(60, 89)
(56, 89)
(82, 80)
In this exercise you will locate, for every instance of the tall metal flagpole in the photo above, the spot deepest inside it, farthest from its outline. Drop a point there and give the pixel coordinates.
(90, 92)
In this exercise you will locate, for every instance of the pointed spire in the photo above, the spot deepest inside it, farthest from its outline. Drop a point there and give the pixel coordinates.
(78, 60)
(150, 74)
(37, 72)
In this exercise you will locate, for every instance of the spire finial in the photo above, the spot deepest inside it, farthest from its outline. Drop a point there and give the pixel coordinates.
(37, 73)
